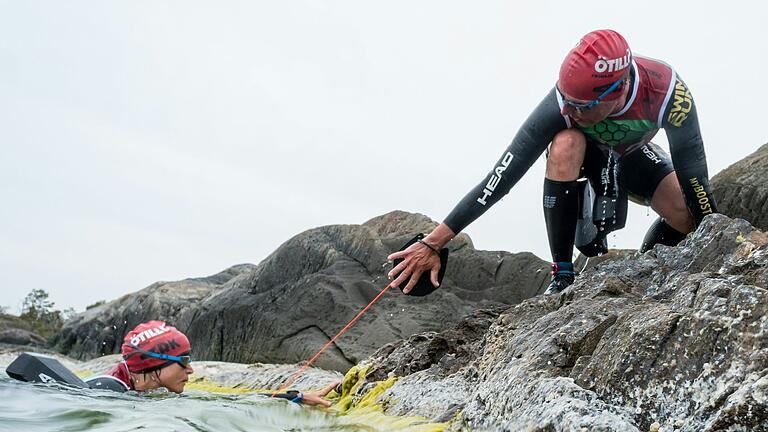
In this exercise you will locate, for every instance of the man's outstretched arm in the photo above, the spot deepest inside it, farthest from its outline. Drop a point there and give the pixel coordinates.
(528, 144)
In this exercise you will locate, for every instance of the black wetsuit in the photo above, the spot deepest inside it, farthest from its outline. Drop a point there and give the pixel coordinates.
(658, 98)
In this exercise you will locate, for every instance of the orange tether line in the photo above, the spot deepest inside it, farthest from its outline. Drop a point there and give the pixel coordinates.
(331, 341)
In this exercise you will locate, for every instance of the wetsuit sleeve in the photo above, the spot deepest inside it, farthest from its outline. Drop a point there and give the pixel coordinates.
(530, 142)
(687, 149)
(291, 395)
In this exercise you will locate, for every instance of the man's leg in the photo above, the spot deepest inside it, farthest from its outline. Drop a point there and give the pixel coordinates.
(647, 173)
(669, 203)
(675, 221)
(561, 201)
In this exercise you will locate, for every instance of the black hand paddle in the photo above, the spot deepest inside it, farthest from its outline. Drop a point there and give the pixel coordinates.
(424, 285)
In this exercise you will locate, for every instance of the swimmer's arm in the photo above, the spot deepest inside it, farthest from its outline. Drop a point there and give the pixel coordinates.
(308, 398)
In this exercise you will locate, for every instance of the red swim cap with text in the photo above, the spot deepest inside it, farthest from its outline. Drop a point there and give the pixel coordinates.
(601, 58)
(154, 336)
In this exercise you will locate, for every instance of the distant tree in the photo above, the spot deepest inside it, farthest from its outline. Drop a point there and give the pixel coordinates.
(3, 310)
(36, 305)
(38, 311)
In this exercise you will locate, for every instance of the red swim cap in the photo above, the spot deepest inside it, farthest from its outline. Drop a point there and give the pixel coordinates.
(601, 58)
(154, 336)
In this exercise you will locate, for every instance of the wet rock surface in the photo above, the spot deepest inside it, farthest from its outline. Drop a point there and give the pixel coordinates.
(741, 191)
(291, 304)
(676, 338)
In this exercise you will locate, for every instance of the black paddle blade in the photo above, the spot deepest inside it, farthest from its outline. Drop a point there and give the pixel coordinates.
(31, 367)
(424, 285)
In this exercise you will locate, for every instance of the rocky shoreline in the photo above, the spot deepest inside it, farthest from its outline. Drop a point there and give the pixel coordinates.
(676, 338)
(671, 340)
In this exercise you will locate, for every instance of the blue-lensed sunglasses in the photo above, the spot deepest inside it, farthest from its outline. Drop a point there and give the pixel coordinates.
(581, 107)
(182, 360)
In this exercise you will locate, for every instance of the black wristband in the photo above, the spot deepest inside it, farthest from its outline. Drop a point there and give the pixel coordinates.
(429, 246)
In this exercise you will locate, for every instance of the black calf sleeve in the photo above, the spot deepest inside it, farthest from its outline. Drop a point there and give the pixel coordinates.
(561, 205)
(661, 233)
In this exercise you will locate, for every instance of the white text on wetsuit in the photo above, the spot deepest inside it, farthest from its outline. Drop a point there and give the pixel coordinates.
(495, 177)
(701, 196)
(651, 155)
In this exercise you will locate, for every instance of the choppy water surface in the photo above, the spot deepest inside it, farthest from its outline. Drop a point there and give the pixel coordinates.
(35, 407)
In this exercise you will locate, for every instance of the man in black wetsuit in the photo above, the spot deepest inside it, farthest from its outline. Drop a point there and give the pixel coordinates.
(596, 124)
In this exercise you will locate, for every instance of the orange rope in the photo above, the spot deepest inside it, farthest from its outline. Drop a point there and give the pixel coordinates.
(331, 341)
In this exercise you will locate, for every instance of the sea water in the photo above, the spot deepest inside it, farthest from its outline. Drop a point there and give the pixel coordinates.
(42, 407)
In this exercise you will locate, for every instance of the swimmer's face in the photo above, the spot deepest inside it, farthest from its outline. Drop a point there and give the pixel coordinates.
(174, 376)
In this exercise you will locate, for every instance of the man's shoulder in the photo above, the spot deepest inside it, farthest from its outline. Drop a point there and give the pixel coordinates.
(665, 88)
(119, 373)
(108, 382)
(654, 73)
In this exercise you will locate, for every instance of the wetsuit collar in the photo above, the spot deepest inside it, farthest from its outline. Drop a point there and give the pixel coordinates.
(122, 373)
(634, 78)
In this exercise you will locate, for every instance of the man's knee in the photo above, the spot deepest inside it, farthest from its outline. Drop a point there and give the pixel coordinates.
(566, 155)
(681, 219)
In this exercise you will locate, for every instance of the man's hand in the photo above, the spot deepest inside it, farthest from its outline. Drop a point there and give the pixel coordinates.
(419, 258)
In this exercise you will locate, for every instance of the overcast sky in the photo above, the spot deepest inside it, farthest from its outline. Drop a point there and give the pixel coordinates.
(159, 140)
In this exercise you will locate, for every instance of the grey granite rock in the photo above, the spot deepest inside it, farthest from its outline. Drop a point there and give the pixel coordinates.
(15, 331)
(741, 191)
(310, 287)
(100, 330)
(16, 336)
(291, 304)
(676, 338)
